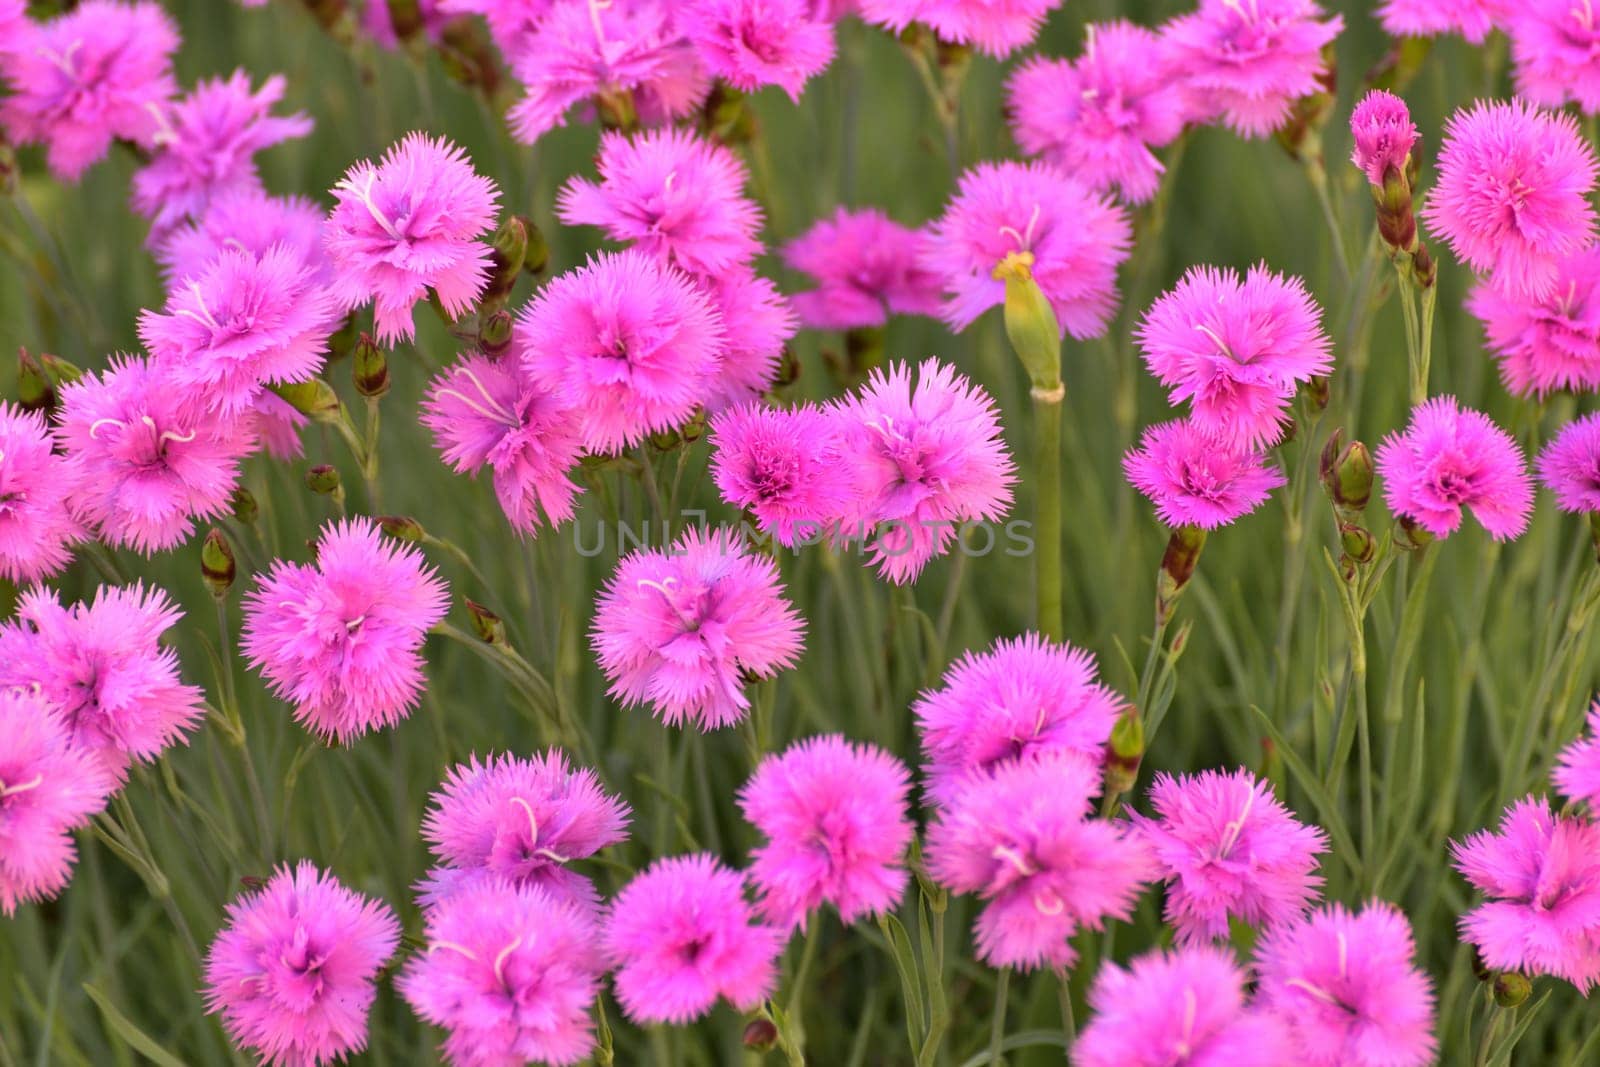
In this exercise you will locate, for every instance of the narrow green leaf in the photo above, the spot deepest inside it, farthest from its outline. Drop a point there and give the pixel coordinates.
(136, 1038)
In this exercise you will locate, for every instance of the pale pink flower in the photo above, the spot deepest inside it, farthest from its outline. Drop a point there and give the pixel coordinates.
(1384, 134)
(293, 974)
(1569, 466)
(1449, 458)
(37, 528)
(409, 224)
(784, 466)
(1547, 343)
(754, 43)
(1577, 770)
(684, 629)
(1472, 19)
(1195, 478)
(866, 268)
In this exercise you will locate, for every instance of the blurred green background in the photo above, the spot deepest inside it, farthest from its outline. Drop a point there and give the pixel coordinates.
(1490, 655)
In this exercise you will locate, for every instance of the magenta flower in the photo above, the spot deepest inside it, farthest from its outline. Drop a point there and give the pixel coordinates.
(1022, 840)
(293, 973)
(1098, 117)
(754, 43)
(924, 460)
(510, 972)
(206, 145)
(1228, 849)
(620, 56)
(101, 72)
(247, 220)
(1183, 1008)
(1384, 135)
(757, 322)
(37, 529)
(1553, 45)
(784, 467)
(680, 935)
(1075, 240)
(1448, 458)
(243, 323)
(1569, 466)
(13, 24)
(48, 788)
(487, 413)
(1195, 478)
(834, 815)
(521, 821)
(1472, 19)
(1024, 699)
(1512, 195)
(1541, 872)
(1345, 987)
(674, 195)
(340, 639)
(102, 667)
(684, 628)
(866, 268)
(1577, 770)
(146, 462)
(409, 224)
(994, 27)
(1236, 349)
(1547, 343)
(1247, 63)
(631, 344)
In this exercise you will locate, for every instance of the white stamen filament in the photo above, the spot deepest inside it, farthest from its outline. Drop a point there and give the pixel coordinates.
(453, 947)
(94, 427)
(533, 823)
(491, 408)
(1344, 954)
(595, 7)
(164, 134)
(1222, 345)
(204, 317)
(363, 193)
(21, 787)
(352, 625)
(62, 61)
(1190, 1008)
(1046, 902)
(1015, 858)
(1316, 991)
(505, 954)
(1025, 238)
(1231, 832)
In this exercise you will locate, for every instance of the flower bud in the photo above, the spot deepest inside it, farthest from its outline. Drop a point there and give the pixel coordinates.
(616, 110)
(343, 341)
(59, 370)
(695, 428)
(322, 479)
(1411, 536)
(864, 348)
(1031, 324)
(489, 627)
(494, 336)
(506, 260)
(406, 18)
(1511, 989)
(402, 528)
(35, 390)
(538, 255)
(1357, 542)
(726, 116)
(315, 399)
(217, 565)
(371, 371)
(1347, 476)
(243, 506)
(1124, 752)
(665, 440)
(1177, 567)
(760, 1035)
(788, 368)
(1316, 391)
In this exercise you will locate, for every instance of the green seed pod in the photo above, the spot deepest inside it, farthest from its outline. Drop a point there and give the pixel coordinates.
(322, 479)
(489, 627)
(402, 528)
(371, 370)
(217, 564)
(1511, 989)
(244, 506)
(494, 336)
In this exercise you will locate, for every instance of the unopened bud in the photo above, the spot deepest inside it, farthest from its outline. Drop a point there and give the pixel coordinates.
(1347, 477)
(616, 110)
(864, 349)
(343, 341)
(1180, 639)
(538, 254)
(724, 117)
(35, 391)
(489, 627)
(243, 506)
(406, 18)
(1511, 989)
(1031, 323)
(402, 528)
(1316, 392)
(506, 260)
(665, 440)
(217, 565)
(788, 368)
(322, 479)
(1412, 536)
(494, 336)
(60, 371)
(371, 370)
(695, 428)
(1357, 542)
(1177, 567)
(315, 399)
(1124, 752)
(760, 1035)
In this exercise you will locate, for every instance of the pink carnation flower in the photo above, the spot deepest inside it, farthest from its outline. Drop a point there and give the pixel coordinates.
(13, 23)
(994, 27)
(1553, 48)
(1569, 466)
(206, 145)
(1229, 850)
(37, 529)
(487, 413)
(1577, 770)
(1448, 458)
(1076, 240)
(1247, 63)
(293, 973)
(1024, 699)
(753, 43)
(758, 323)
(631, 344)
(1236, 349)
(1195, 478)
(510, 973)
(146, 461)
(1384, 135)
(683, 628)
(1547, 343)
(409, 224)
(246, 220)
(101, 72)
(1541, 872)
(866, 268)
(1472, 19)
(1183, 1008)
(674, 195)
(834, 815)
(340, 639)
(584, 50)
(1098, 117)
(102, 666)
(680, 935)
(1022, 840)
(48, 788)
(243, 323)
(924, 460)
(521, 821)
(784, 467)
(1512, 195)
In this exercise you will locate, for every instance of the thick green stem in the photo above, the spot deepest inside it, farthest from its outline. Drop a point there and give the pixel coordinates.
(1047, 473)
(997, 1028)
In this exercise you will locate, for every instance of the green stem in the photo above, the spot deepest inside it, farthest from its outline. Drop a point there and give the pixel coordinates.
(1047, 471)
(997, 1029)
(1317, 174)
